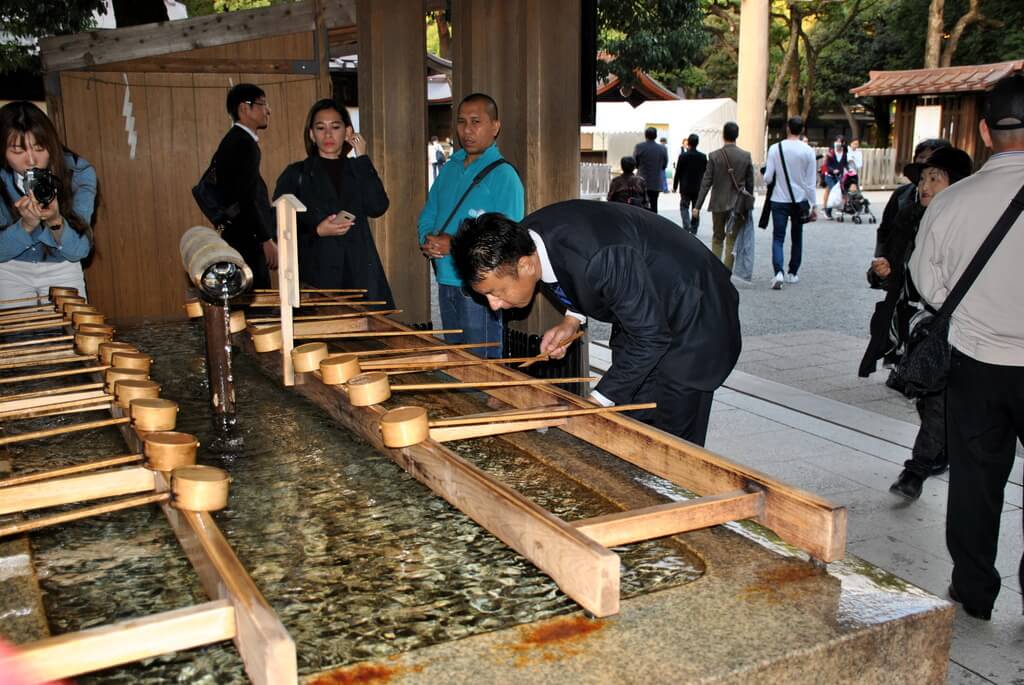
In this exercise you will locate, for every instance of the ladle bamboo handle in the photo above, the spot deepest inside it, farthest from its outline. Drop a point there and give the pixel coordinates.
(326, 317)
(382, 364)
(530, 415)
(70, 470)
(27, 328)
(21, 354)
(89, 404)
(50, 432)
(29, 318)
(46, 362)
(54, 374)
(372, 334)
(314, 290)
(487, 384)
(546, 356)
(322, 303)
(36, 341)
(425, 348)
(85, 512)
(51, 391)
(21, 299)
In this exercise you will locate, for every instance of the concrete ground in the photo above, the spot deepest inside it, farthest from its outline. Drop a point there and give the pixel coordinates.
(795, 409)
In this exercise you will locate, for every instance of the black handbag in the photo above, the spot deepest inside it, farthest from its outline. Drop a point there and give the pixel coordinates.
(210, 198)
(924, 367)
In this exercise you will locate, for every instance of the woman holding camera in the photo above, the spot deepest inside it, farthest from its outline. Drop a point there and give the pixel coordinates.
(336, 248)
(47, 199)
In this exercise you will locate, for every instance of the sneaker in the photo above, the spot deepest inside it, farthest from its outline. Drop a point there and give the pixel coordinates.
(792, 278)
(828, 212)
(777, 281)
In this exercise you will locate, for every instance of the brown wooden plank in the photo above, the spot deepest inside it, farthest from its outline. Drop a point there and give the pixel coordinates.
(583, 569)
(72, 654)
(175, 64)
(72, 489)
(626, 527)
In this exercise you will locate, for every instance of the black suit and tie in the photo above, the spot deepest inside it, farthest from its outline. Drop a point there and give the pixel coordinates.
(676, 332)
(237, 161)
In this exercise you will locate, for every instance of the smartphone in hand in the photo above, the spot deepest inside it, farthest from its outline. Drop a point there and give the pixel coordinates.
(346, 216)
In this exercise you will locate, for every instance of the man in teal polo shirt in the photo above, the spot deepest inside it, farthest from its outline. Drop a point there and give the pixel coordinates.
(474, 181)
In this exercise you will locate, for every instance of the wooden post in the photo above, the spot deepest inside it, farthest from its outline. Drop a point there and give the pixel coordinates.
(218, 361)
(752, 77)
(393, 116)
(288, 274)
(324, 87)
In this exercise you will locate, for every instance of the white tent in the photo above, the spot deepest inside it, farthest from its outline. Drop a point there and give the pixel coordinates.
(620, 125)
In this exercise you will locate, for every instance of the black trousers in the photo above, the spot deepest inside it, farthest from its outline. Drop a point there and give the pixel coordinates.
(681, 410)
(652, 200)
(984, 421)
(929, 454)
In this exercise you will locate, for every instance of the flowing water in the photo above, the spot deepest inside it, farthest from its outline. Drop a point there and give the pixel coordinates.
(359, 560)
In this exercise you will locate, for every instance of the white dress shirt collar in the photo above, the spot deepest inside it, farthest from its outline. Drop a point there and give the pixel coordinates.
(248, 130)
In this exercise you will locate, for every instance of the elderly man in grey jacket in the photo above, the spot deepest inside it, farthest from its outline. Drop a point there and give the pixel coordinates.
(985, 392)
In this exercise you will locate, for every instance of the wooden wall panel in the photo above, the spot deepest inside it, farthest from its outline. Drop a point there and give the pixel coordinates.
(393, 117)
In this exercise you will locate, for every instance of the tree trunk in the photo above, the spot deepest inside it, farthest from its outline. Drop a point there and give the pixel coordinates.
(933, 42)
(973, 16)
(444, 34)
(883, 120)
(852, 121)
(793, 87)
(792, 54)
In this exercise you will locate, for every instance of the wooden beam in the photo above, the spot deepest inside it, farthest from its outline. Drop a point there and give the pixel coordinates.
(324, 87)
(625, 527)
(584, 570)
(52, 493)
(65, 656)
(209, 65)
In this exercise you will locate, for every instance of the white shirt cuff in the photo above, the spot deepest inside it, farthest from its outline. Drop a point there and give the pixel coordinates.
(576, 315)
(601, 399)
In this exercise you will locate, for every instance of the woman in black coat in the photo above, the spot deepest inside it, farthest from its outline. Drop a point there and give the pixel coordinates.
(336, 248)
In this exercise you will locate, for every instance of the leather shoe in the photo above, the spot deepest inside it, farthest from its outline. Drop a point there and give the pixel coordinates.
(938, 469)
(908, 484)
(980, 614)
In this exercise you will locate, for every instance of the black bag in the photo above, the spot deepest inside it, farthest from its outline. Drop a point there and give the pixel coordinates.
(766, 211)
(741, 206)
(211, 200)
(924, 367)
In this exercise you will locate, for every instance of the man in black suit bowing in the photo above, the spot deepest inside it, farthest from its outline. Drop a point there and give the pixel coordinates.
(237, 161)
(675, 333)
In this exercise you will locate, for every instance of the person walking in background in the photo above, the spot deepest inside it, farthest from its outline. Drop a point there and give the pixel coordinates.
(435, 157)
(985, 389)
(686, 181)
(729, 169)
(627, 187)
(47, 200)
(651, 162)
(792, 168)
(664, 172)
(891, 324)
(237, 160)
(336, 247)
(833, 169)
(855, 162)
(477, 179)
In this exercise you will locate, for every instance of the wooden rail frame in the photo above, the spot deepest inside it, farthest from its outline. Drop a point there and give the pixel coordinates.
(575, 554)
(237, 610)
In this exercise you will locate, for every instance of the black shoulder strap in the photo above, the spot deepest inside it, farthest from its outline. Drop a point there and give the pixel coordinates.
(786, 172)
(476, 181)
(981, 257)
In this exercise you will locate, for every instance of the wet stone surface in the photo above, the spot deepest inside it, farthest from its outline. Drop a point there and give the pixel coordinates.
(359, 560)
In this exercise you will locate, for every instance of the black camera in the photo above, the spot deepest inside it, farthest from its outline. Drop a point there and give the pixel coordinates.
(42, 184)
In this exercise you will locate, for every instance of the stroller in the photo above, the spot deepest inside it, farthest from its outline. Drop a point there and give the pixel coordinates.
(854, 203)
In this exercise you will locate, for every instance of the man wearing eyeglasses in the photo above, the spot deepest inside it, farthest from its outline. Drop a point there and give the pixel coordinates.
(237, 160)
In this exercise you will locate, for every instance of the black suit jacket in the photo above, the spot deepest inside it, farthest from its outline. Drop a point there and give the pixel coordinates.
(238, 177)
(669, 296)
(689, 172)
(651, 161)
(346, 261)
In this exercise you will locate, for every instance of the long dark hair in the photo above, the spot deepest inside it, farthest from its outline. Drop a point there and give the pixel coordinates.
(320, 106)
(21, 117)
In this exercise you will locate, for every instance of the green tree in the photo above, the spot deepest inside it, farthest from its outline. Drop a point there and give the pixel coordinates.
(657, 36)
(25, 21)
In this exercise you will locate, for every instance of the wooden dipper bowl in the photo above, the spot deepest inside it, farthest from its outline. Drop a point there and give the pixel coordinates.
(193, 309)
(154, 414)
(60, 300)
(267, 339)
(56, 291)
(79, 317)
(368, 388)
(112, 376)
(130, 359)
(236, 322)
(88, 343)
(167, 450)
(404, 426)
(104, 328)
(70, 308)
(108, 349)
(199, 488)
(307, 358)
(339, 369)
(130, 389)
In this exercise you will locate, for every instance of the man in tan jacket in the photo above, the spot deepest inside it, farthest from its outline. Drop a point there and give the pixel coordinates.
(719, 181)
(985, 392)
